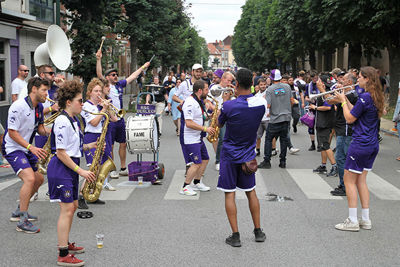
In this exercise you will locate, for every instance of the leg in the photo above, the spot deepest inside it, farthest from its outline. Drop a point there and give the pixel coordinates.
(67, 211)
(201, 169)
(258, 144)
(122, 154)
(231, 211)
(324, 157)
(179, 125)
(159, 111)
(283, 135)
(350, 180)
(27, 189)
(254, 206)
(331, 156)
(39, 179)
(192, 173)
(363, 189)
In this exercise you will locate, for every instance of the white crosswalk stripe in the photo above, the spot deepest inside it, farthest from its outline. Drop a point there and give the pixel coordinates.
(8, 183)
(381, 188)
(312, 185)
(176, 185)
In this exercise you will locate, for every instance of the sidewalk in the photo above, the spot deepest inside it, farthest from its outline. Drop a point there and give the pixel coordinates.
(387, 126)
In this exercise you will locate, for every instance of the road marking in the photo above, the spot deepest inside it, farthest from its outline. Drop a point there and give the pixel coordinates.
(261, 188)
(176, 185)
(312, 185)
(8, 183)
(381, 188)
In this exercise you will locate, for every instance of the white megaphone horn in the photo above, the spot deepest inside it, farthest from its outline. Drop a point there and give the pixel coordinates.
(56, 47)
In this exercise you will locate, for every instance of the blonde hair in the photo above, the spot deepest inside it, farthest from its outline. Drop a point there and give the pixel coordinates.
(92, 84)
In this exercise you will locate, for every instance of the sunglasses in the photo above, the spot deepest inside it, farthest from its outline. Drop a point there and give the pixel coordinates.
(25, 70)
(80, 100)
(50, 72)
(114, 74)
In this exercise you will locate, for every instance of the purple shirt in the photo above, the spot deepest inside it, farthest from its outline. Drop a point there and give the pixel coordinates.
(365, 128)
(242, 117)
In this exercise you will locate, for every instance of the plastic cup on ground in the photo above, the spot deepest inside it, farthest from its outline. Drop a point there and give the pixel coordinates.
(140, 180)
(99, 239)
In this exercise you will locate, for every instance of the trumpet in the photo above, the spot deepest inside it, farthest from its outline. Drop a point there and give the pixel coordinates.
(50, 100)
(314, 96)
(120, 113)
(217, 91)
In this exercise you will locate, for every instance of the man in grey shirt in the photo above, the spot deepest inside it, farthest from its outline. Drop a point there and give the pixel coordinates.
(280, 112)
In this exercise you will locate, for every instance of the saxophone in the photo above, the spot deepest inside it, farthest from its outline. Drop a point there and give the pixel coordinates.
(91, 191)
(214, 123)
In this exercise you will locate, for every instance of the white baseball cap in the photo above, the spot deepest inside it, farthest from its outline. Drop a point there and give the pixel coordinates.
(197, 66)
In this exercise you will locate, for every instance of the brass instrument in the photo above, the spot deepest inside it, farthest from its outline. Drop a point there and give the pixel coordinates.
(51, 100)
(314, 96)
(91, 191)
(217, 91)
(214, 123)
(120, 113)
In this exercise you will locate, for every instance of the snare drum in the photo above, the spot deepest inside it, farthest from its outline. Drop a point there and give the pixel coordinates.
(142, 134)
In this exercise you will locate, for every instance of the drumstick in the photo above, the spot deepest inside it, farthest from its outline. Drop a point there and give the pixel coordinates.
(102, 41)
(152, 58)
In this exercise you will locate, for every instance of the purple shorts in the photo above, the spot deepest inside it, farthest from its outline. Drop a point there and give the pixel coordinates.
(231, 177)
(63, 182)
(92, 137)
(20, 160)
(40, 140)
(118, 131)
(360, 159)
(196, 153)
(185, 155)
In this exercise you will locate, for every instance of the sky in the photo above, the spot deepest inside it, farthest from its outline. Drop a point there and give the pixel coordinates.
(215, 19)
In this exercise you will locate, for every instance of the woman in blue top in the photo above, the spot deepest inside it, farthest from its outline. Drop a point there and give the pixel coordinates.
(364, 147)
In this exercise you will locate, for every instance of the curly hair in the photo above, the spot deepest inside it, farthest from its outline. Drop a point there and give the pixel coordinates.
(68, 91)
(374, 87)
(92, 84)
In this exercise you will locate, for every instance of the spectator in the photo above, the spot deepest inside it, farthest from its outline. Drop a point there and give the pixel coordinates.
(19, 83)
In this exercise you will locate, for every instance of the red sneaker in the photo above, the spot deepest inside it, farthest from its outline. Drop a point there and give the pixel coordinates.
(69, 260)
(74, 249)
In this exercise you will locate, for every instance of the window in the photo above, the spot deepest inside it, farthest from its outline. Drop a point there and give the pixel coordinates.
(42, 9)
(33, 67)
(1, 47)
(2, 79)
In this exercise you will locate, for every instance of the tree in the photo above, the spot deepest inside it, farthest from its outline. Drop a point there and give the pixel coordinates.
(216, 61)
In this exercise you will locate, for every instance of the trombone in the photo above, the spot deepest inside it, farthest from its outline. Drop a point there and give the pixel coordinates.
(120, 113)
(314, 96)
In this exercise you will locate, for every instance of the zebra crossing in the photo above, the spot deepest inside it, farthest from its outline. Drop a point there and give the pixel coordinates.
(312, 185)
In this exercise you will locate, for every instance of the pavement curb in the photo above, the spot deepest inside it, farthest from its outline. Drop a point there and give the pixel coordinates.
(390, 132)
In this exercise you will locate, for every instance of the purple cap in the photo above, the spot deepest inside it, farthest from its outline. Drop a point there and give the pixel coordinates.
(219, 73)
(275, 75)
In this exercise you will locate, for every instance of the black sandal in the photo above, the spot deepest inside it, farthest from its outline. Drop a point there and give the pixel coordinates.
(85, 214)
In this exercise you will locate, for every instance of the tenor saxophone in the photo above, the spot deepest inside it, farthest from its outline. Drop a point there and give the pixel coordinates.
(214, 123)
(91, 191)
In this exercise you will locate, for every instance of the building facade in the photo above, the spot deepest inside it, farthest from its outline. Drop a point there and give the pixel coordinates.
(221, 54)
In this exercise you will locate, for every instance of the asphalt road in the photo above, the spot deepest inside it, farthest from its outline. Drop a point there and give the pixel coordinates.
(155, 226)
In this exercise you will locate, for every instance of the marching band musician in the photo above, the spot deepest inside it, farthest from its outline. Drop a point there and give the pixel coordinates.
(116, 92)
(311, 88)
(63, 170)
(94, 127)
(364, 146)
(193, 132)
(25, 118)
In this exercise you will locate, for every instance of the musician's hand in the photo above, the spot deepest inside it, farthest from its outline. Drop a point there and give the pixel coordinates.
(88, 175)
(146, 65)
(99, 55)
(321, 85)
(91, 145)
(340, 96)
(210, 130)
(55, 107)
(38, 152)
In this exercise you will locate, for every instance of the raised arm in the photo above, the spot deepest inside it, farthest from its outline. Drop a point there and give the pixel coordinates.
(136, 74)
(99, 70)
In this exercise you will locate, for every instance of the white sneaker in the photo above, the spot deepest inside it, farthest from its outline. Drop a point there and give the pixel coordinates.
(348, 225)
(188, 191)
(34, 197)
(109, 187)
(200, 187)
(114, 175)
(293, 150)
(217, 166)
(365, 224)
(124, 172)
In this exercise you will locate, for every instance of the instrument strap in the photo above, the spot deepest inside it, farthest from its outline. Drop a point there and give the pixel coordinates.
(38, 117)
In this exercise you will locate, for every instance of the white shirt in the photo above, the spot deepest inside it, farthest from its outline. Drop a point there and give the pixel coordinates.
(17, 85)
(261, 95)
(185, 89)
(166, 79)
(114, 95)
(66, 137)
(22, 119)
(89, 117)
(192, 111)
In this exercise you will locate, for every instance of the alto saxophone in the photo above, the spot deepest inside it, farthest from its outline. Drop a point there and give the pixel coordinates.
(214, 123)
(91, 191)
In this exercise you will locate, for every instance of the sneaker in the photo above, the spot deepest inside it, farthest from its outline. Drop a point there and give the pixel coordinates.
(114, 175)
(337, 188)
(320, 169)
(293, 150)
(47, 197)
(338, 192)
(233, 240)
(188, 191)
(348, 225)
(200, 187)
(109, 187)
(333, 171)
(124, 172)
(217, 166)
(274, 152)
(69, 260)
(265, 165)
(27, 227)
(282, 165)
(74, 249)
(82, 205)
(34, 197)
(15, 217)
(294, 128)
(259, 235)
(365, 224)
(312, 148)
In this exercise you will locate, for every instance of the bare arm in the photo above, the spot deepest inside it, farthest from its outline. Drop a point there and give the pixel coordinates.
(192, 125)
(39, 152)
(136, 74)
(99, 69)
(177, 99)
